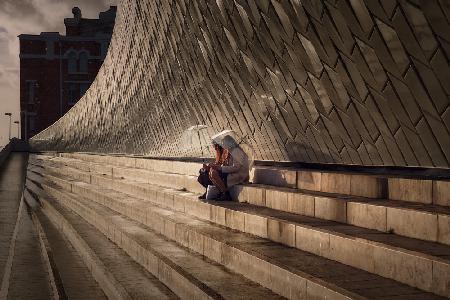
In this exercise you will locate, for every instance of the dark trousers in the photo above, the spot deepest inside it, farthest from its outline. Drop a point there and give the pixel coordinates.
(204, 180)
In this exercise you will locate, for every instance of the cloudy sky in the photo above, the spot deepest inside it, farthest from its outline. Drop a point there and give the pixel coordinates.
(30, 17)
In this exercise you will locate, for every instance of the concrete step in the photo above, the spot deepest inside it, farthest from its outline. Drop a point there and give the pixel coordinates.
(176, 180)
(26, 275)
(337, 183)
(388, 255)
(416, 220)
(356, 184)
(115, 272)
(178, 167)
(189, 275)
(11, 182)
(72, 279)
(352, 184)
(280, 262)
(55, 281)
(23, 272)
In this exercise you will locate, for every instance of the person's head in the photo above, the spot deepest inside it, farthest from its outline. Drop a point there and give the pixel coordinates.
(228, 142)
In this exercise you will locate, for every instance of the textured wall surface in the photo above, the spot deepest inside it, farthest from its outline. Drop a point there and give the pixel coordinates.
(334, 81)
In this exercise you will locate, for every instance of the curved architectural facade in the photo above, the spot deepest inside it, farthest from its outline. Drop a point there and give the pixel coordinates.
(334, 81)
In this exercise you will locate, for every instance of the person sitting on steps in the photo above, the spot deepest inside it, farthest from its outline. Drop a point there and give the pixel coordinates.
(207, 176)
(230, 168)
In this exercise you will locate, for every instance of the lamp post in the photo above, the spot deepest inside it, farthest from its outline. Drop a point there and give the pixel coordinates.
(9, 114)
(25, 124)
(18, 128)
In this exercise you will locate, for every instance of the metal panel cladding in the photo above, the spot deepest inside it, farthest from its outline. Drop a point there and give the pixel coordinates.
(330, 81)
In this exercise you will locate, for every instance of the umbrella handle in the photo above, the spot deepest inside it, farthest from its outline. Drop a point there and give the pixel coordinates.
(199, 140)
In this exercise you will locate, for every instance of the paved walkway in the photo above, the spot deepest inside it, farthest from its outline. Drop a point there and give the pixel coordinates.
(29, 277)
(12, 180)
(22, 271)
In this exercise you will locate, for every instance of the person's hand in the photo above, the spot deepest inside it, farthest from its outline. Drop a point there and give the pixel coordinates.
(205, 166)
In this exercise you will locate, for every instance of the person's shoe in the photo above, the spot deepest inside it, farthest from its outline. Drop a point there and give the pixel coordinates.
(202, 197)
(224, 197)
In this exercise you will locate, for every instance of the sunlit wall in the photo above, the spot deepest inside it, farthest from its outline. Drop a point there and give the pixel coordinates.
(331, 81)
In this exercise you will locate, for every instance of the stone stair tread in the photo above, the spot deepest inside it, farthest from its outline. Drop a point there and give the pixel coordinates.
(407, 243)
(423, 207)
(426, 247)
(393, 240)
(135, 279)
(292, 259)
(431, 208)
(23, 273)
(212, 274)
(29, 277)
(371, 235)
(413, 206)
(76, 278)
(92, 158)
(405, 257)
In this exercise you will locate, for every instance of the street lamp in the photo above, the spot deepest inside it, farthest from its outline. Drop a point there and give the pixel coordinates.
(25, 124)
(9, 114)
(18, 128)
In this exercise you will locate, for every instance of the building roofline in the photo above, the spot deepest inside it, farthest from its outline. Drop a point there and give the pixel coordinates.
(46, 36)
(39, 35)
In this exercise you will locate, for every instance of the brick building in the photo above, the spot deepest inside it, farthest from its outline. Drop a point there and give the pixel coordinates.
(56, 70)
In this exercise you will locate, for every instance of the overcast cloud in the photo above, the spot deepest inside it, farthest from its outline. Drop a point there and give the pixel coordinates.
(30, 17)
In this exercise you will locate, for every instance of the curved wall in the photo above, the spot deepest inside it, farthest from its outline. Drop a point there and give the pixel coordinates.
(331, 81)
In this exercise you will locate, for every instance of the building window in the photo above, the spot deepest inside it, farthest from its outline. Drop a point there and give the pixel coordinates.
(76, 90)
(32, 123)
(72, 62)
(31, 91)
(74, 93)
(83, 59)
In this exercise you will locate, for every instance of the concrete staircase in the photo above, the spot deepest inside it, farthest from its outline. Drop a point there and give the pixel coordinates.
(23, 274)
(296, 234)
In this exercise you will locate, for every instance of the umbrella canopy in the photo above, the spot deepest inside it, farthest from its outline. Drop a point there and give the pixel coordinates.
(196, 140)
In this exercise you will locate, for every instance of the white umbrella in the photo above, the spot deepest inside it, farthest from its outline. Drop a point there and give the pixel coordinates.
(195, 141)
